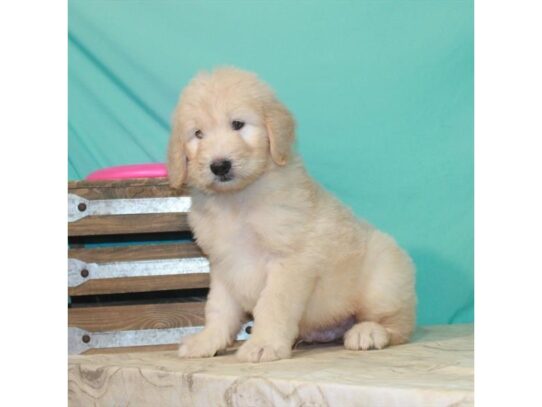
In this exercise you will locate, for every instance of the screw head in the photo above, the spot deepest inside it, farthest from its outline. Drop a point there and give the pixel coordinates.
(85, 338)
(84, 273)
(82, 207)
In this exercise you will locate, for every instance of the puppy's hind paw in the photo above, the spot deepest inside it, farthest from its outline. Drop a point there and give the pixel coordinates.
(365, 336)
(260, 351)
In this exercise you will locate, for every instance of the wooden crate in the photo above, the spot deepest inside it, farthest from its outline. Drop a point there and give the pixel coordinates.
(135, 278)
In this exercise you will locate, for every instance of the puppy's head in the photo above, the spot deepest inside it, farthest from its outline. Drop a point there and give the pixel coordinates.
(227, 129)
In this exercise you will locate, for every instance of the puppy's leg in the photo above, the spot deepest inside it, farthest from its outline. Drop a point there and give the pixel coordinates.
(391, 330)
(366, 335)
(387, 308)
(223, 319)
(277, 314)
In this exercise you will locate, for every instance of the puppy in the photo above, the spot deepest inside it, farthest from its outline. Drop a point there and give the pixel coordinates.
(280, 247)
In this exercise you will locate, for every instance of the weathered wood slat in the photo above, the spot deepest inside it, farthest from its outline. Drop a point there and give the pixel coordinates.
(165, 348)
(127, 224)
(134, 253)
(134, 182)
(139, 284)
(131, 349)
(126, 189)
(131, 317)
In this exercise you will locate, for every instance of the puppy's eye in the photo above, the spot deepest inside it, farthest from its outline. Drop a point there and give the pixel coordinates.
(237, 125)
(198, 134)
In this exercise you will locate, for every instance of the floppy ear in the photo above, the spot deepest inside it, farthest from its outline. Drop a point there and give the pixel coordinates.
(281, 129)
(176, 163)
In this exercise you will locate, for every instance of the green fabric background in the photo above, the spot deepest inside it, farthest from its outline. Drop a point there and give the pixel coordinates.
(382, 92)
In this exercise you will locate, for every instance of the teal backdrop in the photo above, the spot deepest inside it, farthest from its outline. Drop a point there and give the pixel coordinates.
(382, 92)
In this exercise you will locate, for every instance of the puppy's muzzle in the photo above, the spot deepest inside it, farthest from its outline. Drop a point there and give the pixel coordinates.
(222, 169)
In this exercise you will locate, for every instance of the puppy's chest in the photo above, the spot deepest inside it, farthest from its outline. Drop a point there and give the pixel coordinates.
(222, 230)
(236, 250)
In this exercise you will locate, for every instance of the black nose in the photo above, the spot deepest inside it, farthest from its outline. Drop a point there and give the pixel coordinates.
(221, 167)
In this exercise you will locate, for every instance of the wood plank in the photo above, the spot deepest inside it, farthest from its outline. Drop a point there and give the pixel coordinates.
(126, 189)
(141, 284)
(138, 284)
(137, 252)
(134, 182)
(131, 317)
(126, 224)
(133, 349)
(164, 348)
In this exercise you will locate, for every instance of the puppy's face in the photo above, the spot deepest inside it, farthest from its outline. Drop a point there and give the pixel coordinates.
(227, 130)
(226, 142)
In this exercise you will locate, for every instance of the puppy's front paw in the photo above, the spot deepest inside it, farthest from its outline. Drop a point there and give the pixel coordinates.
(254, 350)
(365, 336)
(200, 345)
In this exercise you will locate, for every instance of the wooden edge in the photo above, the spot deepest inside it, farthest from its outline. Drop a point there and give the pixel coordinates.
(121, 224)
(141, 284)
(158, 191)
(124, 189)
(136, 252)
(137, 182)
(137, 316)
(132, 349)
(154, 348)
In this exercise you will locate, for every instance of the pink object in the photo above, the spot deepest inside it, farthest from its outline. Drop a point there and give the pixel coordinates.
(129, 172)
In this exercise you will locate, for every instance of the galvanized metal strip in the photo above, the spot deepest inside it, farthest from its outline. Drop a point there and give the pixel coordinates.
(80, 272)
(79, 207)
(80, 340)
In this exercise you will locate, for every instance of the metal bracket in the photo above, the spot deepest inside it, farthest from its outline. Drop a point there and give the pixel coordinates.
(79, 272)
(79, 207)
(80, 340)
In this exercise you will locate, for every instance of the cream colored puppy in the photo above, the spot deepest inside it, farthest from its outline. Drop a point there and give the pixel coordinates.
(280, 247)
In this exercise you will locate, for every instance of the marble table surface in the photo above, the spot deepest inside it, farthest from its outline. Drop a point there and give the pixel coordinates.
(434, 369)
